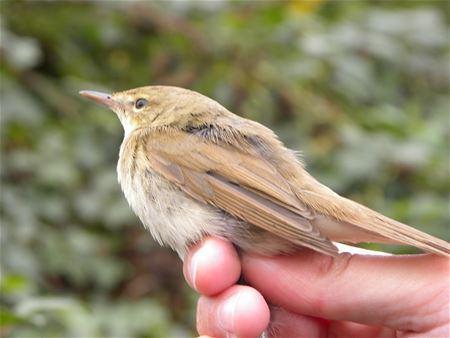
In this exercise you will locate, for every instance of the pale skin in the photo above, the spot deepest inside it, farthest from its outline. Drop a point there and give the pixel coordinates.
(351, 295)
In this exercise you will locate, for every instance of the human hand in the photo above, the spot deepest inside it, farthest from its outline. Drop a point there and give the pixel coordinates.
(317, 295)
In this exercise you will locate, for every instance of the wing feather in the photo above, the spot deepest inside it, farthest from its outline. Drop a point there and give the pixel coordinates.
(247, 187)
(269, 190)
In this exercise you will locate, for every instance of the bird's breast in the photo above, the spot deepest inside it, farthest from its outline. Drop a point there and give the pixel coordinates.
(172, 217)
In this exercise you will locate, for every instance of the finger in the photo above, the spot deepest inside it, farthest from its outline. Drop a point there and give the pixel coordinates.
(403, 292)
(350, 329)
(284, 323)
(240, 311)
(288, 324)
(212, 266)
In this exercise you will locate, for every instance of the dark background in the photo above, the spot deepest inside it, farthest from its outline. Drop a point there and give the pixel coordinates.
(361, 87)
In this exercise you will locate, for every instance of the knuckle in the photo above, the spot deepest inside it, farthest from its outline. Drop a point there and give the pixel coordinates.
(335, 267)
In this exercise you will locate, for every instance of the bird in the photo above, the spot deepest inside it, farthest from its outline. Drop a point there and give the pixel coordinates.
(190, 168)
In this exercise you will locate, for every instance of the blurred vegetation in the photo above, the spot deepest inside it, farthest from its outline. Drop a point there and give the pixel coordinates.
(361, 87)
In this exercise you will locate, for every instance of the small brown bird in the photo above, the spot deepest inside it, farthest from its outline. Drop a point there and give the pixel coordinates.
(190, 168)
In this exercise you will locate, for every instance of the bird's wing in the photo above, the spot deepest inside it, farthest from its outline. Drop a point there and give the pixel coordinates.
(242, 184)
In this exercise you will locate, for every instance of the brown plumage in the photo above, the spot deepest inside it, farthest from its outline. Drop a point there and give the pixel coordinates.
(190, 168)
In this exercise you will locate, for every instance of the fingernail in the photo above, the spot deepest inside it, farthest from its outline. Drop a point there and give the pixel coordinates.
(227, 314)
(193, 269)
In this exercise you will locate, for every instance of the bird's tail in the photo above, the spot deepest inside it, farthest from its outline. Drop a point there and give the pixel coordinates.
(404, 234)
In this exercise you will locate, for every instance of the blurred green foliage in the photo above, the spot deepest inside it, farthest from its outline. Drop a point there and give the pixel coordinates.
(360, 87)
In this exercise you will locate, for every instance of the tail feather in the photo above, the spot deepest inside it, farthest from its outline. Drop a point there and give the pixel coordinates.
(369, 225)
(410, 236)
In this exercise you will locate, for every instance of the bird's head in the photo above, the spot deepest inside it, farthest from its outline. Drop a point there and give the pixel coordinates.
(157, 106)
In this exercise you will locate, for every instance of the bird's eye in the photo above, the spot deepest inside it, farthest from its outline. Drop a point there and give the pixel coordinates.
(140, 103)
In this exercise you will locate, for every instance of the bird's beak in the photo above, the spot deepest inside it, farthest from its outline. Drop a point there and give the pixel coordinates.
(102, 98)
